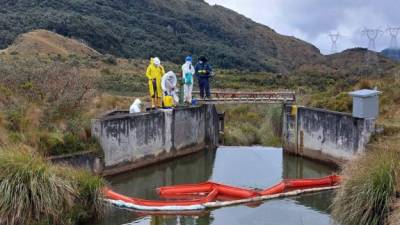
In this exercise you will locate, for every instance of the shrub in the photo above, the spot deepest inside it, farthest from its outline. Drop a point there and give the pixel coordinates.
(89, 198)
(4, 91)
(123, 83)
(369, 185)
(49, 140)
(276, 121)
(60, 87)
(365, 84)
(33, 191)
(110, 59)
(70, 143)
(341, 102)
(15, 119)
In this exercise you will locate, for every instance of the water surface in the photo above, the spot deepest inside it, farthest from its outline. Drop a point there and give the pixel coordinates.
(250, 167)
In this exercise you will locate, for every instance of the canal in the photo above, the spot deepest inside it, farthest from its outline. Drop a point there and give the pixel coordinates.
(250, 167)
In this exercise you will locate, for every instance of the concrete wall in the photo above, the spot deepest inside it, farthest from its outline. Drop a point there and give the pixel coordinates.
(85, 160)
(134, 140)
(325, 135)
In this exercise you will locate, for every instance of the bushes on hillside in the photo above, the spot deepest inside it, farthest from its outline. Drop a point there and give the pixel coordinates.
(130, 29)
(341, 102)
(59, 87)
(123, 83)
(110, 59)
(44, 104)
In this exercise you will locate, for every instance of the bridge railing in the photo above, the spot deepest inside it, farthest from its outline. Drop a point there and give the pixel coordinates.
(269, 97)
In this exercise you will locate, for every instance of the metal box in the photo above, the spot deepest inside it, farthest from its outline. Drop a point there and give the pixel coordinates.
(365, 103)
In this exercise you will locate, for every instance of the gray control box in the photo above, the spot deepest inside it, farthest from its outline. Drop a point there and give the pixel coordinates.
(365, 103)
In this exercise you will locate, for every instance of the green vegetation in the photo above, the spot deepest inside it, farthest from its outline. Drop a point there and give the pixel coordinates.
(248, 125)
(47, 100)
(369, 187)
(44, 108)
(369, 194)
(166, 28)
(33, 191)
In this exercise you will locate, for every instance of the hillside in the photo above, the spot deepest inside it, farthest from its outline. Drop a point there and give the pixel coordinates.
(170, 29)
(359, 61)
(393, 53)
(48, 43)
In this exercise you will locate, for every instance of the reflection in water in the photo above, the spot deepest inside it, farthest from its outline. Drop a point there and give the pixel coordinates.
(298, 167)
(142, 183)
(252, 167)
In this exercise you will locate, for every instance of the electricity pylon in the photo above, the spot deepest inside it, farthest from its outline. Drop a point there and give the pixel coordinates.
(334, 40)
(372, 35)
(393, 32)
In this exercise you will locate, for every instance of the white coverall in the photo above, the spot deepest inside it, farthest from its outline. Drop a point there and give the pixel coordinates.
(188, 70)
(168, 85)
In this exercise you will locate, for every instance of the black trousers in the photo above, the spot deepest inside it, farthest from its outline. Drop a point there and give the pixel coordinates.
(204, 85)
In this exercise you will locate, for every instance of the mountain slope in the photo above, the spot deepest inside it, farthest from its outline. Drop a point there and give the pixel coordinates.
(170, 29)
(359, 61)
(45, 42)
(393, 53)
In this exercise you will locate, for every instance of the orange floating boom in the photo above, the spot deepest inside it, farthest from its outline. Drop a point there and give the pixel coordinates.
(143, 202)
(189, 193)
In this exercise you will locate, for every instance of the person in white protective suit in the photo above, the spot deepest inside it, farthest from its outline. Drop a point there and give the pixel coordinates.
(168, 85)
(136, 106)
(187, 74)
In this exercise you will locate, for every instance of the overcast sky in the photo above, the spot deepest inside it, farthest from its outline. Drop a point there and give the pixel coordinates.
(314, 20)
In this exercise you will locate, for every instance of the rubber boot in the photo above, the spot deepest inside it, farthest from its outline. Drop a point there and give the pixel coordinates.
(159, 102)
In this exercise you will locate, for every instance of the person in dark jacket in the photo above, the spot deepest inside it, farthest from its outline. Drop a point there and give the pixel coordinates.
(203, 72)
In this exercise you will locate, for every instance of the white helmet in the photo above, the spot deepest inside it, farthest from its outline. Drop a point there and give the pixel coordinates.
(157, 61)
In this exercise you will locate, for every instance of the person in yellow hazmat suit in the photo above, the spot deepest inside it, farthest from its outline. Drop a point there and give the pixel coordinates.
(154, 73)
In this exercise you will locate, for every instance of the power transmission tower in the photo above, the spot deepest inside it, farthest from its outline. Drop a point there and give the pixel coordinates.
(372, 35)
(370, 57)
(334, 40)
(393, 32)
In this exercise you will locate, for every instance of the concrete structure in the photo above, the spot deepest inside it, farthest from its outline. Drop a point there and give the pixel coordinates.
(85, 160)
(130, 141)
(324, 135)
(365, 103)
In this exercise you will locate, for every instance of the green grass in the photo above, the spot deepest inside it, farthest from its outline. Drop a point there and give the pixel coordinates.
(368, 189)
(247, 125)
(33, 191)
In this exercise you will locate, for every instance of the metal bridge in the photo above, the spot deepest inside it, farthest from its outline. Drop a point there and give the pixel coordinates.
(219, 97)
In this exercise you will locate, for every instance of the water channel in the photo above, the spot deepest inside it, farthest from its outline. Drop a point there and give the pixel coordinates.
(250, 167)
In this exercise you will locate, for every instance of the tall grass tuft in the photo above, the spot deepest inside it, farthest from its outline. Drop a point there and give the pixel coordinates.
(30, 190)
(89, 195)
(368, 189)
(33, 191)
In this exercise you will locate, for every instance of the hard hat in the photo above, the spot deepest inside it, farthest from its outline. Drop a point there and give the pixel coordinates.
(188, 58)
(157, 61)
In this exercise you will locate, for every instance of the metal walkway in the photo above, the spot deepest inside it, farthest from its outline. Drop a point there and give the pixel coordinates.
(218, 97)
